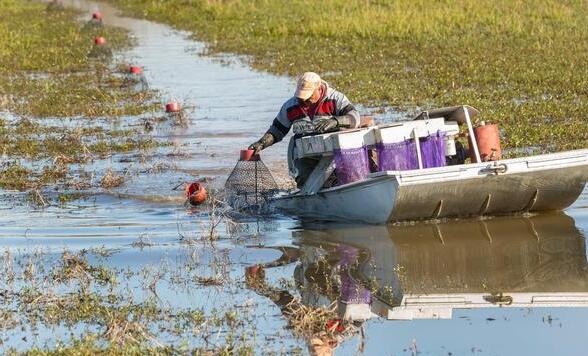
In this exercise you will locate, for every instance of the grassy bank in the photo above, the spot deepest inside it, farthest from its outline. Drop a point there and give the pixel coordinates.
(46, 72)
(520, 62)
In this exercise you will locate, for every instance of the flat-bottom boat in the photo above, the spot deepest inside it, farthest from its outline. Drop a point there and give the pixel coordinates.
(507, 186)
(519, 185)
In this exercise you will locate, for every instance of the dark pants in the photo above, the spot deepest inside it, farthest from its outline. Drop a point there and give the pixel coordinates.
(305, 166)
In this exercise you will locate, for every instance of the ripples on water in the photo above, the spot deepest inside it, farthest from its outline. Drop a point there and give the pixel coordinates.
(500, 286)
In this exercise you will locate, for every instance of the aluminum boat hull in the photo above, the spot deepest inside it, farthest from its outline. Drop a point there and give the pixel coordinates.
(529, 184)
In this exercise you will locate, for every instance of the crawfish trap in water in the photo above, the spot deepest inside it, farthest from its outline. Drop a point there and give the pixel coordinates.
(250, 184)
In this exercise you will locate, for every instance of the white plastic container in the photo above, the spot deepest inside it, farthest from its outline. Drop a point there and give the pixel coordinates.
(401, 131)
(326, 143)
(354, 138)
(450, 149)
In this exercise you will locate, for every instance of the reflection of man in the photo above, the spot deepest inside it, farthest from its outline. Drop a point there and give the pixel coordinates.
(320, 343)
(315, 108)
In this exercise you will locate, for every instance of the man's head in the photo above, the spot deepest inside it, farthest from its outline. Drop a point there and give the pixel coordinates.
(307, 88)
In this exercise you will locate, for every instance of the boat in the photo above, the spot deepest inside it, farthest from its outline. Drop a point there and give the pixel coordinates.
(488, 186)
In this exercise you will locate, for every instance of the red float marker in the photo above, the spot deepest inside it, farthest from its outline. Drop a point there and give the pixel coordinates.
(135, 70)
(248, 155)
(335, 325)
(97, 16)
(172, 107)
(99, 41)
(196, 193)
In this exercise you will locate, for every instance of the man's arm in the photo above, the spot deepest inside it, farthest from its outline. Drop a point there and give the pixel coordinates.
(276, 132)
(346, 114)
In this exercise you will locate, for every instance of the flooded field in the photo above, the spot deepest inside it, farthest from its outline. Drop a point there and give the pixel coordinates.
(133, 266)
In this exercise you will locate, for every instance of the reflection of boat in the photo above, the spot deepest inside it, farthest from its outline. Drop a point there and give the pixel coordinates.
(526, 184)
(427, 270)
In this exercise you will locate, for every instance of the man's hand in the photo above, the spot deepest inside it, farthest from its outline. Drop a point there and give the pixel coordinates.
(265, 141)
(256, 147)
(326, 125)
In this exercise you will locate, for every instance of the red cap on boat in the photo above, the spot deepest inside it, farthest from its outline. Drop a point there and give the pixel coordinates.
(196, 193)
(97, 15)
(248, 155)
(99, 41)
(172, 107)
(135, 70)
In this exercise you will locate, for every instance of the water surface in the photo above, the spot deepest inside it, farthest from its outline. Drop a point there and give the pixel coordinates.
(499, 286)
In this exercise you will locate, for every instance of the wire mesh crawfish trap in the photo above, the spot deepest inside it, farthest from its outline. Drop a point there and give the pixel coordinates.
(250, 185)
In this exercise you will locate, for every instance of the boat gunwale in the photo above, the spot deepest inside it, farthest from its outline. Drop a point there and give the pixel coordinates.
(394, 175)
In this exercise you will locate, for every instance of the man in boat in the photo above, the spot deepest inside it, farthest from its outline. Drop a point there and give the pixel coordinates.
(315, 108)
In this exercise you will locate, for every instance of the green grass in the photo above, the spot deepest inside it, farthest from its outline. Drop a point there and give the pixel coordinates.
(45, 71)
(520, 62)
(40, 41)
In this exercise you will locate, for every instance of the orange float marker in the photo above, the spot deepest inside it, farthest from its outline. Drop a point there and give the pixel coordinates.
(196, 193)
(488, 139)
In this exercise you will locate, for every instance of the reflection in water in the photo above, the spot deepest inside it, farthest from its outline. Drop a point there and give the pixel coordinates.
(322, 331)
(427, 270)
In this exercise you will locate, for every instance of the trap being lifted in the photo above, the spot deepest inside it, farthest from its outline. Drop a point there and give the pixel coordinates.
(250, 185)
(415, 170)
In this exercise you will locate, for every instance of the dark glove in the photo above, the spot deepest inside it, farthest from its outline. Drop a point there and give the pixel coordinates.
(303, 127)
(265, 141)
(343, 121)
(256, 147)
(326, 125)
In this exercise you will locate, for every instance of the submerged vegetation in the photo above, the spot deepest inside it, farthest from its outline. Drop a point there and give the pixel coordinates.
(520, 62)
(76, 292)
(95, 301)
(57, 100)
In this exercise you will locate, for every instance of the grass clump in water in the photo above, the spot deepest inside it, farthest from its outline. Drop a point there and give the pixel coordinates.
(101, 314)
(519, 62)
(15, 177)
(45, 69)
(46, 72)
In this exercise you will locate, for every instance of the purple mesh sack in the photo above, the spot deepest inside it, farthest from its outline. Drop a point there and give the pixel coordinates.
(397, 156)
(402, 156)
(352, 291)
(433, 150)
(351, 164)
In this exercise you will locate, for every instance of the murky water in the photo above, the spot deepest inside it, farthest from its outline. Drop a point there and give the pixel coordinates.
(233, 105)
(501, 286)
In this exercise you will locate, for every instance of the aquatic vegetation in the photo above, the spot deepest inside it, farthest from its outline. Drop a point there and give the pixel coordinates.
(519, 62)
(68, 95)
(76, 266)
(91, 300)
(14, 177)
(111, 179)
(46, 72)
(26, 141)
